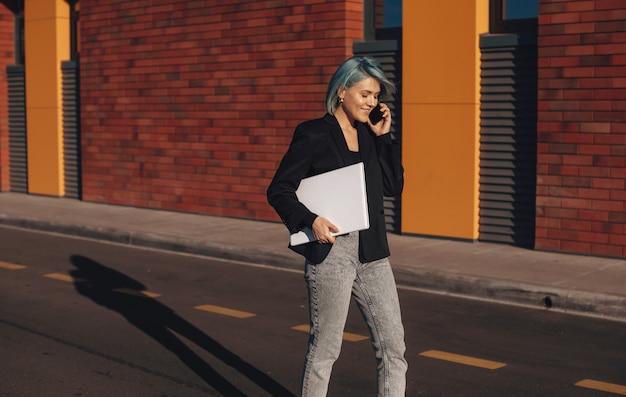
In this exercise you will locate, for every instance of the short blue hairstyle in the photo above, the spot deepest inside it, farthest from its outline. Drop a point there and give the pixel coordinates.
(350, 72)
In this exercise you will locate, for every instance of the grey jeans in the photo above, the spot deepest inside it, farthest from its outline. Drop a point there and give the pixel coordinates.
(331, 284)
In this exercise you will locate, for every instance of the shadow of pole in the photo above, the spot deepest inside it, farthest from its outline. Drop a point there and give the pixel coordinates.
(102, 284)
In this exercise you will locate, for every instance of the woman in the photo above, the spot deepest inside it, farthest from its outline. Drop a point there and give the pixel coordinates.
(355, 264)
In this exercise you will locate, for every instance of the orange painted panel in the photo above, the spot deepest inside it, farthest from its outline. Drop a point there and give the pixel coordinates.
(441, 93)
(440, 194)
(47, 44)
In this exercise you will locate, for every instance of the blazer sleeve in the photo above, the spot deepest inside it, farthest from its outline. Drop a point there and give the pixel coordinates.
(390, 158)
(295, 165)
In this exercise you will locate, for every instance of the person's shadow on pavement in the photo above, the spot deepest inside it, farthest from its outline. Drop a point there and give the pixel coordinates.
(103, 285)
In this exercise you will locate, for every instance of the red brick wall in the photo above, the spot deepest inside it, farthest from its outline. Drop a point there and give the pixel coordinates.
(581, 197)
(6, 58)
(189, 105)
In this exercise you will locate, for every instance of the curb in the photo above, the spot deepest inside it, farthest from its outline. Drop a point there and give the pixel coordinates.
(157, 241)
(608, 307)
(604, 306)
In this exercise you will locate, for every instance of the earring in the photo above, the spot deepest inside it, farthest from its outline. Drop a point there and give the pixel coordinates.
(340, 100)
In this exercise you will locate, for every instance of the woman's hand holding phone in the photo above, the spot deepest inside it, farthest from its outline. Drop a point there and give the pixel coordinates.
(380, 119)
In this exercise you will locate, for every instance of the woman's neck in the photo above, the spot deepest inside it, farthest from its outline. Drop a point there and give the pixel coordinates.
(344, 121)
(349, 130)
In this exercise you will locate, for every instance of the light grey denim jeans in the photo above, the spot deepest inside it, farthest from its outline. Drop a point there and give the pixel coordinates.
(331, 284)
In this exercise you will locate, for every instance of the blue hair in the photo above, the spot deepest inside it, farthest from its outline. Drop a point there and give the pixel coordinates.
(350, 72)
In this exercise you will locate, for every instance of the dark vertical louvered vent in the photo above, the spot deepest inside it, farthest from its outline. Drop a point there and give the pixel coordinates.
(388, 53)
(18, 164)
(71, 129)
(508, 139)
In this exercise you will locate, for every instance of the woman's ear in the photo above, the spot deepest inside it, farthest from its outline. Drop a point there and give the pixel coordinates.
(341, 93)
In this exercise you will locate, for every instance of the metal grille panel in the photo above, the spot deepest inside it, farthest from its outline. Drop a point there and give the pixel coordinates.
(508, 140)
(18, 164)
(71, 129)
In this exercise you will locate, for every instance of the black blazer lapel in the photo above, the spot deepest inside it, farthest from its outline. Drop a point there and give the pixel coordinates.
(340, 142)
(365, 144)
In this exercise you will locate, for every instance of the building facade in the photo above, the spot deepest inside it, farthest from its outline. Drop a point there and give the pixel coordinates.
(511, 113)
(581, 168)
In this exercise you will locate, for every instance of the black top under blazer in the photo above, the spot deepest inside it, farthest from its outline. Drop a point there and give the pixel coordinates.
(319, 146)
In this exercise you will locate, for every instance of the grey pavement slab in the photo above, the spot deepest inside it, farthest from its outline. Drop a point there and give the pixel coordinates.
(578, 284)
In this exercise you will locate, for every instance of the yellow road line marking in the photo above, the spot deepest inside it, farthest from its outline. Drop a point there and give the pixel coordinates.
(459, 359)
(11, 266)
(136, 292)
(63, 277)
(602, 386)
(225, 311)
(350, 337)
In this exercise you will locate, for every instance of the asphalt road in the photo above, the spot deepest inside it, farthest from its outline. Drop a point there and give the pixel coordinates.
(85, 318)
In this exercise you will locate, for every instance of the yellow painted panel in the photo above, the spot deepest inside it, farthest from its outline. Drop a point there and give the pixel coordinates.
(441, 176)
(45, 152)
(440, 50)
(482, 17)
(43, 65)
(441, 95)
(45, 9)
(47, 44)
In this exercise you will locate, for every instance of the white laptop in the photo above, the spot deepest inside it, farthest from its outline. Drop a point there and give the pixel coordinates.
(338, 196)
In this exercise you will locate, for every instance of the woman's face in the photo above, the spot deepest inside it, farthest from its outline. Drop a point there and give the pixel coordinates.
(360, 99)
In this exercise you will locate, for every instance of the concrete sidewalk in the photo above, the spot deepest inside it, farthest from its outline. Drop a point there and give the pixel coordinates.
(571, 283)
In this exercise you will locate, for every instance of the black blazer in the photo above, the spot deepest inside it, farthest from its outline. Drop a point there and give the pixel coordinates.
(319, 146)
